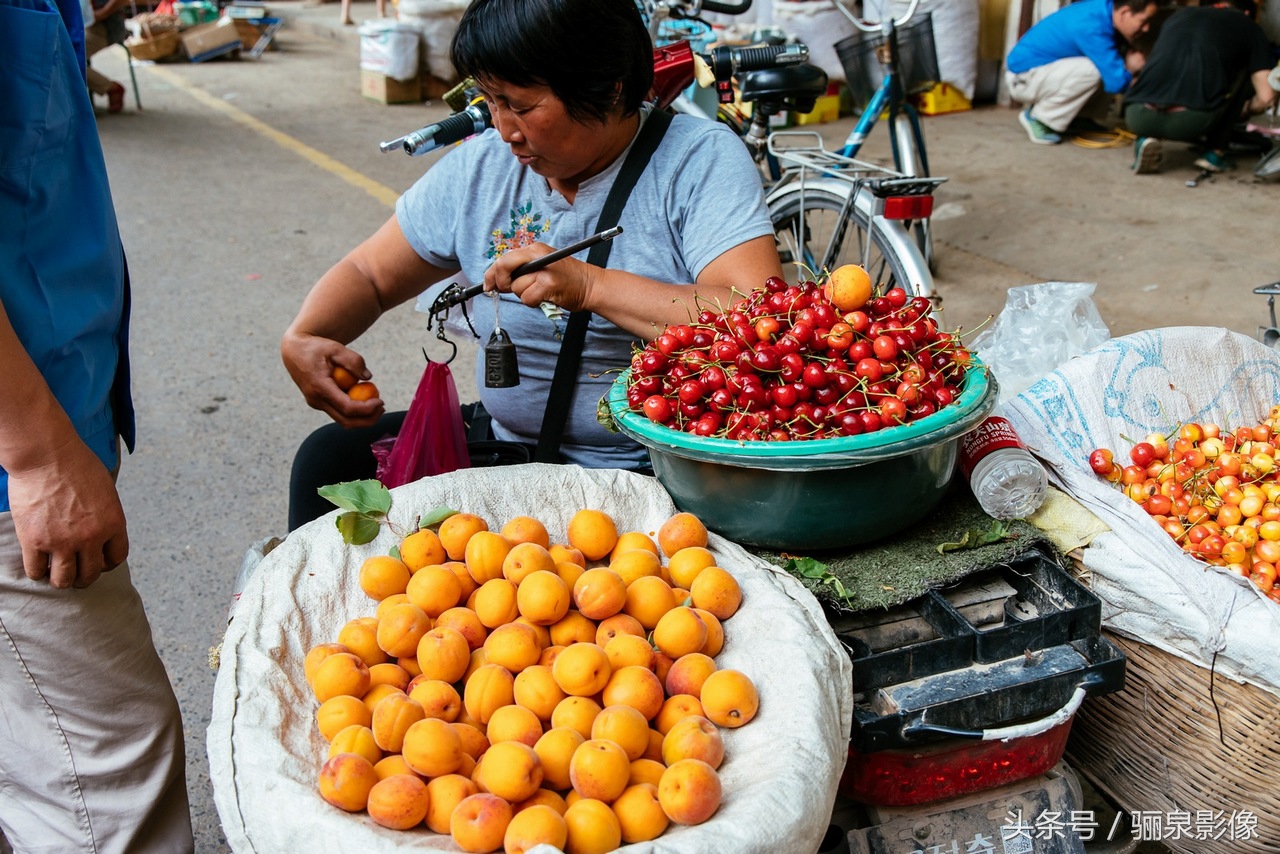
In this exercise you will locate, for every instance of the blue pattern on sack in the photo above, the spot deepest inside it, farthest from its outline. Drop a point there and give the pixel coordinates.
(1139, 401)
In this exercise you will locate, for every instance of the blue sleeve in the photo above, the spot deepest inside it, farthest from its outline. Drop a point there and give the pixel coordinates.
(1100, 48)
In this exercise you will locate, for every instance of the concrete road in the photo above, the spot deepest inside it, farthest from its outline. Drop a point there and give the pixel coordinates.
(240, 182)
(236, 186)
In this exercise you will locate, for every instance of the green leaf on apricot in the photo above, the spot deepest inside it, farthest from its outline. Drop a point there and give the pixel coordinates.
(359, 496)
(357, 528)
(435, 516)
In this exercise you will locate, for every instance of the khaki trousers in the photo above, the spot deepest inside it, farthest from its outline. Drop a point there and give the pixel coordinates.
(91, 742)
(95, 39)
(1057, 92)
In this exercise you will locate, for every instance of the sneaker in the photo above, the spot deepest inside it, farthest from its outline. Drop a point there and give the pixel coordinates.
(1147, 154)
(1037, 131)
(115, 98)
(1212, 161)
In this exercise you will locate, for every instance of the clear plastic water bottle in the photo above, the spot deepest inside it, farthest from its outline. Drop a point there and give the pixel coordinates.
(1007, 480)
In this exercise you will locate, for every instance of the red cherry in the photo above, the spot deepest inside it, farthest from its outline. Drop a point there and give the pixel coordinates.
(657, 408)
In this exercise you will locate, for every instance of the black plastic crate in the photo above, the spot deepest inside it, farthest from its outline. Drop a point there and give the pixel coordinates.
(921, 638)
(1048, 607)
(967, 700)
(917, 60)
(1008, 643)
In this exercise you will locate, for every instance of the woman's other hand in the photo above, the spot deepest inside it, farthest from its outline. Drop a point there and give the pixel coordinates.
(312, 362)
(381, 273)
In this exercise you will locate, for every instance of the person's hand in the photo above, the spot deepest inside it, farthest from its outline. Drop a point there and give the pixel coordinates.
(311, 361)
(68, 518)
(1265, 93)
(567, 283)
(1135, 60)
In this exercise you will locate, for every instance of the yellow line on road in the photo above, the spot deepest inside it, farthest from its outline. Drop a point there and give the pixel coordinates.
(381, 192)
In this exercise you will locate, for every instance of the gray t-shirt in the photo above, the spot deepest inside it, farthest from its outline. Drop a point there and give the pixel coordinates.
(699, 197)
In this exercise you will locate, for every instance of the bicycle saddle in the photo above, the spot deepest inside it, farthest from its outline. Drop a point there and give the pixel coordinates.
(800, 83)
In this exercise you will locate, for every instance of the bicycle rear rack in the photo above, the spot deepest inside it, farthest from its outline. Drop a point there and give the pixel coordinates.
(803, 152)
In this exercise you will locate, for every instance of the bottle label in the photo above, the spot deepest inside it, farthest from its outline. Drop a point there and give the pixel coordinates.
(991, 435)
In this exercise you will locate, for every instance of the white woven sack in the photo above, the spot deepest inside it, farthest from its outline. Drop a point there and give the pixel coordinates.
(437, 21)
(955, 35)
(1113, 396)
(389, 47)
(818, 25)
(780, 772)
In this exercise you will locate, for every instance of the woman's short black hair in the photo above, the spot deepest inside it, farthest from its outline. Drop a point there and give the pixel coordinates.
(595, 55)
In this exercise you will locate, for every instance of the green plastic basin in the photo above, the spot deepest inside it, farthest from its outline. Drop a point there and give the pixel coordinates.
(811, 495)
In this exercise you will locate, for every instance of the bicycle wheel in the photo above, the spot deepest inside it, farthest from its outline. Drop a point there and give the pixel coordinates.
(909, 159)
(817, 228)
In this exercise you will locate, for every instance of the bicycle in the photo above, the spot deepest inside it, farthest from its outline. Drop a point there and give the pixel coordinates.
(905, 66)
(827, 208)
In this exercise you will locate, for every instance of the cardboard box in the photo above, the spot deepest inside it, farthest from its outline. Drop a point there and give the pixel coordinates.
(388, 90)
(206, 41)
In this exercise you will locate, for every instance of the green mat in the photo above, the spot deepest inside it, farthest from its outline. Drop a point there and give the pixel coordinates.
(897, 569)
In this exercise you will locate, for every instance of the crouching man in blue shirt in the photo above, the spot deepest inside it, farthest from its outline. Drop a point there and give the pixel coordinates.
(1062, 61)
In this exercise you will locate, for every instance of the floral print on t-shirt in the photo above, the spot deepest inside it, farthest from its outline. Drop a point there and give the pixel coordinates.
(526, 227)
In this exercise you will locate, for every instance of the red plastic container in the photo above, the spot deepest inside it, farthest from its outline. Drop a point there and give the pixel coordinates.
(901, 777)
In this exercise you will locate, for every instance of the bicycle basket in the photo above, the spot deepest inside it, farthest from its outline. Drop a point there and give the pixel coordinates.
(917, 61)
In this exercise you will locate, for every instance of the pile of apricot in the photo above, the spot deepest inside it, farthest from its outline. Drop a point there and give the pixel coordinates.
(510, 691)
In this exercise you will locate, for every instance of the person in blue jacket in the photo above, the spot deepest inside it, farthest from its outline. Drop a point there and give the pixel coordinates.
(91, 746)
(1062, 62)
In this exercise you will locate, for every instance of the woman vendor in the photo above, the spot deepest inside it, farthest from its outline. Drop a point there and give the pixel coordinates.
(566, 83)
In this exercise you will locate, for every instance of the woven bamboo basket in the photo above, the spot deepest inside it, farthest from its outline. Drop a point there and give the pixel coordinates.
(1166, 744)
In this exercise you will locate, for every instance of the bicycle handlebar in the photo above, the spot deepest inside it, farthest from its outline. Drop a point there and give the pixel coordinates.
(744, 59)
(457, 127)
(726, 8)
(723, 63)
(691, 8)
(877, 26)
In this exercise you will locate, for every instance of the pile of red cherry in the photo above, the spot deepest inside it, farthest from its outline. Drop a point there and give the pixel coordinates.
(783, 363)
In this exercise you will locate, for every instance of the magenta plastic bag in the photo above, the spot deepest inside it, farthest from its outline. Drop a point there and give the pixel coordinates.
(432, 440)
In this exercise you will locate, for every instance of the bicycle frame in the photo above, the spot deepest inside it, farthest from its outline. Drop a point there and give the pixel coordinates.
(890, 94)
(809, 167)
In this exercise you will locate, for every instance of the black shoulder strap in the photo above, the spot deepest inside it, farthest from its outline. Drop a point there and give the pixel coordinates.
(565, 378)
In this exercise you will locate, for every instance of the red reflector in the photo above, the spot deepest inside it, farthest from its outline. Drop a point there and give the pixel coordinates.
(908, 207)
